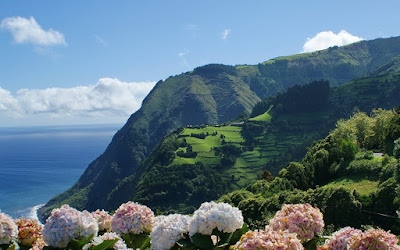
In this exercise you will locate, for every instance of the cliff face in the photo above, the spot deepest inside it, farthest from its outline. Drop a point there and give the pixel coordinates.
(209, 95)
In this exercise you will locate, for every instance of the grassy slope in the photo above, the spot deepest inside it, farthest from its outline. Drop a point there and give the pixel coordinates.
(266, 117)
(269, 151)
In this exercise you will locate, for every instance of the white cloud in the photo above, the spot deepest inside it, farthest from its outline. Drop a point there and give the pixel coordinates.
(326, 39)
(26, 30)
(225, 34)
(109, 97)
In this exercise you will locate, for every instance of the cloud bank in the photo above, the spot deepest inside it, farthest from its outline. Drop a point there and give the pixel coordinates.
(326, 39)
(26, 30)
(109, 97)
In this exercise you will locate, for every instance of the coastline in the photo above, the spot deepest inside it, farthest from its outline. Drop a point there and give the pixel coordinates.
(34, 213)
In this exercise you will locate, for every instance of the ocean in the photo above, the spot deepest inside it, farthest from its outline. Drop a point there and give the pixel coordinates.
(37, 163)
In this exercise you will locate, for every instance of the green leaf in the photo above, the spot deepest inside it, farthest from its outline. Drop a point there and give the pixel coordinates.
(235, 236)
(223, 246)
(223, 237)
(202, 241)
(312, 244)
(137, 241)
(146, 243)
(107, 244)
(12, 246)
(49, 248)
(80, 242)
(184, 244)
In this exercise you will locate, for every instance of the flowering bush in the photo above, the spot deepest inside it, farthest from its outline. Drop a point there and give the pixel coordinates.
(168, 230)
(29, 231)
(213, 226)
(66, 224)
(268, 239)
(103, 219)
(8, 229)
(342, 239)
(210, 215)
(302, 219)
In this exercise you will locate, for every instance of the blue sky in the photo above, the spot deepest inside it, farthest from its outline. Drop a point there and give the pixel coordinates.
(72, 62)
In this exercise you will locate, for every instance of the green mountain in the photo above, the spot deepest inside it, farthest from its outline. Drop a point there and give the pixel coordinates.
(211, 94)
(200, 163)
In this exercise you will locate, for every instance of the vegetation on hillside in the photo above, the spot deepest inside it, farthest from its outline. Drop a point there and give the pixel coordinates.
(352, 176)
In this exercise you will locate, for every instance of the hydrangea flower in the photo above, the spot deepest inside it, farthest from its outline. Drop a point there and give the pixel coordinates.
(119, 245)
(66, 224)
(269, 239)
(132, 218)
(211, 215)
(376, 239)
(168, 230)
(302, 219)
(8, 229)
(29, 231)
(38, 244)
(103, 219)
(342, 239)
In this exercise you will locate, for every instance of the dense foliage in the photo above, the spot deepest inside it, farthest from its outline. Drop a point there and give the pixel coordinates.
(351, 175)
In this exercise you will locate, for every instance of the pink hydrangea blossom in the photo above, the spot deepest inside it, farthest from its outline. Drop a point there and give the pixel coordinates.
(376, 239)
(29, 231)
(39, 244)
(132, 218)
(342, 239)
(103, 219)
(269, 239)
(8, 229)
(302, 219)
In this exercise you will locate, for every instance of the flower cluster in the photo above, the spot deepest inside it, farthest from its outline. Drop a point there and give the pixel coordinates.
(103, 219)
(132, 218)
(211, 215)
(120, 245)
(29, 231)
(8, 229)
(168, 230)
(342, 238)
(350, 238)
(39, 244)
(66, 224)
(269, 239)
(302, 219)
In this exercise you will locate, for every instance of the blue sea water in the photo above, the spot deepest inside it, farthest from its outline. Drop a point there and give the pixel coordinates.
(37, 163)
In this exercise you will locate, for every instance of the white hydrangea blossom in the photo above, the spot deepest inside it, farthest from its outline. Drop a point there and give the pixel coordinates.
(168, 230)
(119, 245)
(8, 229)
(66, 224)
(211, 215)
